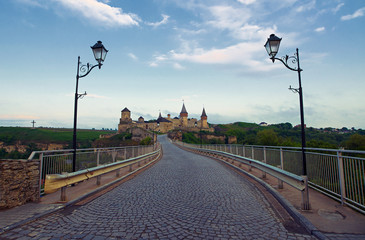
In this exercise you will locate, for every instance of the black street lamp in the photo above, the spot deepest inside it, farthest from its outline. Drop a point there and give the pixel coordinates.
(200, 134)
(272, 48)
(99, 53)
(154, 129)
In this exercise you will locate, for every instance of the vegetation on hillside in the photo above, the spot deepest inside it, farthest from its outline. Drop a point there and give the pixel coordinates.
(29, 137)
(118, 140)
(284, 134)
(13, 135)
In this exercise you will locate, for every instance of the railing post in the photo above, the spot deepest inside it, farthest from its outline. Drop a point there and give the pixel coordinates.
(98, 180)
(281, 158)
(125, 153)
(41, 172)
(305, 195)
(252, 153)
(280, 182)
(263, 175)
(341, 175)
(63, 194)
(117, 173)
(114, 154)
(243, 151)
(98, 158)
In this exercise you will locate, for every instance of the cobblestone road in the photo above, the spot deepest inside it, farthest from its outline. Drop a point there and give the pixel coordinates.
(183, 196)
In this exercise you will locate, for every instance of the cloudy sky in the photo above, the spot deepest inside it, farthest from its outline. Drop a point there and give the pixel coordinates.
(161, 52)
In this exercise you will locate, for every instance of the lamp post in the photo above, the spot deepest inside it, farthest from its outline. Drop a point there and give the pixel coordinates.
(157, 125)
(200, 134)
(99, 53)
(272, 47)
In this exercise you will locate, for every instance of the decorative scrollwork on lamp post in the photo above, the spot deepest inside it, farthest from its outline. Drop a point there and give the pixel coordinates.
(272, 48)
(99, 53)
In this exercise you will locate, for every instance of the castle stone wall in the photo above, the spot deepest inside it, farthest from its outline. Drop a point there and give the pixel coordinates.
(19, 182)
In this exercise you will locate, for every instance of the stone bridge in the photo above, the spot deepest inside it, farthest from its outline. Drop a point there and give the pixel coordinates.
(182, 196)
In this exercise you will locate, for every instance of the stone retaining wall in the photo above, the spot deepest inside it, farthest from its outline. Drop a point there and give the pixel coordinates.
(19, 182)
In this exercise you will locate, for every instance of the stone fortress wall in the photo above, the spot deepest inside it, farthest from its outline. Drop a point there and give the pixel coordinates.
(167, 124)
(19, 182)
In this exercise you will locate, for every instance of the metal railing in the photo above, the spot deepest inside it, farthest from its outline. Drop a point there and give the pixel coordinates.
(60, 161)
(54, 182)
(337, 173)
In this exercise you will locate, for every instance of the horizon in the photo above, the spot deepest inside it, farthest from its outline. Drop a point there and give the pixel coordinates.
(23, 123)
(207, 54)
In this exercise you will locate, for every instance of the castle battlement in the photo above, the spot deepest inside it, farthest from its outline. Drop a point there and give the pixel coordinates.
(167, 124)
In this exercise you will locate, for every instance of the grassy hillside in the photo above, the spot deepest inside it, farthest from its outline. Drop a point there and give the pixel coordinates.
(285, 134)
(12, 135)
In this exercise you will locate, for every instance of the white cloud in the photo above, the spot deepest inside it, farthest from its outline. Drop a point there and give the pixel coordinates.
(248, 52)
(338, 7)
(153, 64)
(158, 59)
(228, 17)
(358, 13)
(320, 29)
(178, 66)
(163, 21)
(307, 6)
(247, 2)
(34, 3)
(100, 12)
(134, 57)
(239, 54)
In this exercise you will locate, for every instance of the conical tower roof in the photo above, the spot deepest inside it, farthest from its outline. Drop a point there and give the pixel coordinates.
(203, 113)
(183, 110)
(126, 110)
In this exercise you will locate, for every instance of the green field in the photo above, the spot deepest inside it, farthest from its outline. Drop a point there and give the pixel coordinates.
(12, 135)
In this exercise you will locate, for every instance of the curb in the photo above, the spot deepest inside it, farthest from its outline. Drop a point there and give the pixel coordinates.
(288, 207)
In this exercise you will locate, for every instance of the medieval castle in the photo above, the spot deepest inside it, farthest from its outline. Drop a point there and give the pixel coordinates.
(165, 125)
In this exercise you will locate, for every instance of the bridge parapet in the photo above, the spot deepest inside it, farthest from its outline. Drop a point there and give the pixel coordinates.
(55, 182)
(60, 161)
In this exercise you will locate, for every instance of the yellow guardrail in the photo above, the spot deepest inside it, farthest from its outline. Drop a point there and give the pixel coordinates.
(54, 182)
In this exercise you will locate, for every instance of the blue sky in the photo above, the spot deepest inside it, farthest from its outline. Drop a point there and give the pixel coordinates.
(207, 53)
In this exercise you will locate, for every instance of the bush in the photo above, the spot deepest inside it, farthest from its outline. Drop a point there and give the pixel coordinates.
(146, 141)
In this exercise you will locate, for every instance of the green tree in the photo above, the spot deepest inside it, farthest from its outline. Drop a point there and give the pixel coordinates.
(320, 144)
(267, 137)
(356, 142)
(189, 137)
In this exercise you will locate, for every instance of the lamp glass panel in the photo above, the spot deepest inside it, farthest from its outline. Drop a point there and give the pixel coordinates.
(274, 47)
(97, 54)
(103, 54)
(268, 49)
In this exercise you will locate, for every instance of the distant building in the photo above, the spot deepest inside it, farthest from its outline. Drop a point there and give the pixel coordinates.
(263, 124)
(164, 125)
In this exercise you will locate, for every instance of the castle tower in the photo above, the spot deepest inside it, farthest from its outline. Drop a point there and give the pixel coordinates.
(184, 116)
(203, 120)
(126, 116)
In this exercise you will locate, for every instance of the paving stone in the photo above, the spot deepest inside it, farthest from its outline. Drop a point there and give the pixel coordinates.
(183, 196)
